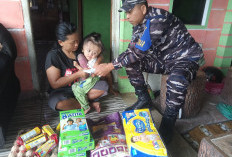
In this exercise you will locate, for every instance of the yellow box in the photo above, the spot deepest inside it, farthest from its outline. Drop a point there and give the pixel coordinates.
(141, 135)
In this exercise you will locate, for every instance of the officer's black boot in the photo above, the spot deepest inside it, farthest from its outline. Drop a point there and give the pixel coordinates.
(167, 125)
(144, 99)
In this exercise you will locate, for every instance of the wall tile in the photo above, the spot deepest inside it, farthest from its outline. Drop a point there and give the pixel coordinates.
(11, 15)
(198, 35)
(220, 4)
(161, 7)
(155, 3)
(229, 7)
(209, 57)
(216, 18)
(212, 39)
(23, 72)
(159, 1)
(21, 42)
(228, 17)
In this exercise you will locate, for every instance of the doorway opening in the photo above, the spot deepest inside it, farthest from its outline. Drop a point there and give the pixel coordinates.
(45, 15)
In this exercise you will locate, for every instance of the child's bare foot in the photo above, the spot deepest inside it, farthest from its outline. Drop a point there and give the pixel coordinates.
(87, 110)
(97, 107)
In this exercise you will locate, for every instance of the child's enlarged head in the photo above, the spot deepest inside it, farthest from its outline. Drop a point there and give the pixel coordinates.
(70, 121)
(135, 139)
(78, 120)
(92, 46)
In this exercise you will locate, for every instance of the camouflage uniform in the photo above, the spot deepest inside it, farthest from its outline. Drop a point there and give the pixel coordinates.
(162, 45)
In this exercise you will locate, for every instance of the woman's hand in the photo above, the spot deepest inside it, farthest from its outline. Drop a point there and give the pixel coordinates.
(77, 65)
(83, 74)
(56, 81)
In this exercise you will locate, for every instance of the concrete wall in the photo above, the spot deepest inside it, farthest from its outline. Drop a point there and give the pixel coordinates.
(11, 16)
(96, 18)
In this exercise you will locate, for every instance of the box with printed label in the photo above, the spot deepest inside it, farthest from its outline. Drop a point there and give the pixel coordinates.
(141, 135)
(73, 125)
(75, 149)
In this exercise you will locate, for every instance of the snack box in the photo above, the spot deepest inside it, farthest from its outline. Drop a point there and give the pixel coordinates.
(80, 145)
(75, 155)
(75, 150)
(141, 135)
(74, 141)
(73, 125)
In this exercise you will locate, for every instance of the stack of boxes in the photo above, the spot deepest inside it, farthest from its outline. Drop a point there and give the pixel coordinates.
(75, 138)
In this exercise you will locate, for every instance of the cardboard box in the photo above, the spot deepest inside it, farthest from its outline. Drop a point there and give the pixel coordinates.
(75, 137)
(216, 146)
(73, 126)
(75, 149)
(141, 135)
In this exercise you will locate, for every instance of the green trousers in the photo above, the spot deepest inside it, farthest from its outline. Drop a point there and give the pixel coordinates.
(81, 88)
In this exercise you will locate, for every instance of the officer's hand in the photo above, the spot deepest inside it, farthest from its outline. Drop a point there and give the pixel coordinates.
(103, 69)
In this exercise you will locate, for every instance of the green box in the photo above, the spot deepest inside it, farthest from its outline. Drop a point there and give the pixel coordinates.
(75, 155)
(81, 148)
(73, 126)
(75, 150)
(74, 141)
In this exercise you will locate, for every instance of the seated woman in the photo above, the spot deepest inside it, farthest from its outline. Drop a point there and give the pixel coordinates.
(9, 82)
(61, 72)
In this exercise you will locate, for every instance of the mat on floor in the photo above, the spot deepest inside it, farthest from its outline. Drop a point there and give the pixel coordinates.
(35, 112)
(195, 135)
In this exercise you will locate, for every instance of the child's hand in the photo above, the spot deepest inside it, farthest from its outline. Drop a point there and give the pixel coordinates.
(98, 61)
(76, 65)
(83, 74)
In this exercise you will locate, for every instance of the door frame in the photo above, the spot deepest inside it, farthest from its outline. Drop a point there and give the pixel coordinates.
(115, 32)
(30, 44)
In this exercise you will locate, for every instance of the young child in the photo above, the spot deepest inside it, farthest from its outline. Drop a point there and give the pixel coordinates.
(145, 138)
(92, 48)
(70, 126)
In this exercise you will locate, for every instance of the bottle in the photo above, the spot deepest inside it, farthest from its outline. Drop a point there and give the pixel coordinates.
(150, 92)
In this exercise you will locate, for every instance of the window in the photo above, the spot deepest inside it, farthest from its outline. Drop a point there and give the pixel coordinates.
(191, 12)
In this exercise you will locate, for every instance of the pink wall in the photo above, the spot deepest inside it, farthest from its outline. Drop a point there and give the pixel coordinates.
(213, 30)
(11, 16)
(164, 4)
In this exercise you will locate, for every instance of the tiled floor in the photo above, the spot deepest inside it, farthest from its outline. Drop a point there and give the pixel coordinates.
(178, 147)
